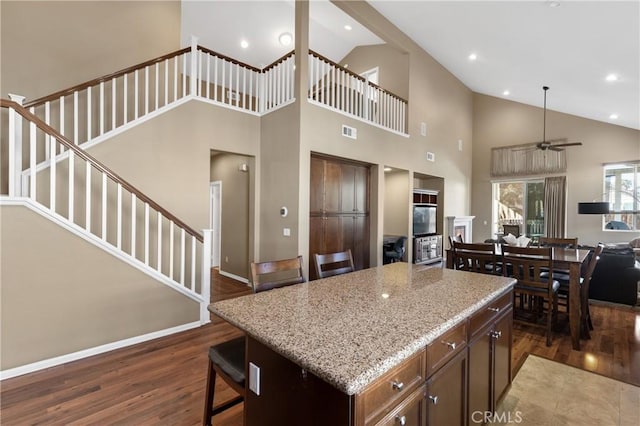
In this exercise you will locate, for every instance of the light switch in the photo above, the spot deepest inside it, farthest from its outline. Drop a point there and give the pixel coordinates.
(254, 378)
(286, 232)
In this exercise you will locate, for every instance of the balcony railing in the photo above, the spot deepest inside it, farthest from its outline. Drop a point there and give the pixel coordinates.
(339, 89)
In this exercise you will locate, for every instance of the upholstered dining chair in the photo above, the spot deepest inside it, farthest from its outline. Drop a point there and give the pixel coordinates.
(396, 254)
(475, 257)
(330, 264)
(227, 359)
(526, 264)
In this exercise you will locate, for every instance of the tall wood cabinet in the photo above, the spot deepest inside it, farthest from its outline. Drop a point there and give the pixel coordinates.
(339, 209)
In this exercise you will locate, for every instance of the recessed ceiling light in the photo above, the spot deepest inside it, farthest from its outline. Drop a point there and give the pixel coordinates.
(348, 27)
(505, 93)
(613, 116)
(244, 44)
(387, 169)
(612, 77)
(552, 3)
(473, 57)
(285, 39)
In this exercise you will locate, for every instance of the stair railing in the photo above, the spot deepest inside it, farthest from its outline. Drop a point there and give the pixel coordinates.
(83, 191)
(335, 87)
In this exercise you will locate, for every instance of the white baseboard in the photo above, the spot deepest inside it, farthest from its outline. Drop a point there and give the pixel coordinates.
(52, 362)
(233, 277)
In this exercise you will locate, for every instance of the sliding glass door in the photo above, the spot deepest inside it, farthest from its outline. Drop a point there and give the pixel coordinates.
(519, 203)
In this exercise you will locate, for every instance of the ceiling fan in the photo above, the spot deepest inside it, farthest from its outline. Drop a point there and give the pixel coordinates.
(551, 144)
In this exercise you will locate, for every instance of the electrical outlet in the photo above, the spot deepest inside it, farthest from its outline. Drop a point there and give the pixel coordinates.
(226, 258)
(254, 378)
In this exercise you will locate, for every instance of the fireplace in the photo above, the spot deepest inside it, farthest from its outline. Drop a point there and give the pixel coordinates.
(460, 226)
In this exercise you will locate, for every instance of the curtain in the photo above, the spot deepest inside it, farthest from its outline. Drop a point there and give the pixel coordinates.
(555, 206)
(525, 160)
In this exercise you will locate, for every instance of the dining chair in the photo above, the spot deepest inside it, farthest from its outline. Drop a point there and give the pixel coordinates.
(525, 265)
(330, 264)
(227, 359)
(511, 229)
(558, 242)
(585, 280)
(455, 239)
(475, 257)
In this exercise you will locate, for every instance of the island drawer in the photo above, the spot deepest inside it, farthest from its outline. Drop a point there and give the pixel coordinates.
(488, 313)
(443, 348)
(385, 393)
(411, 411)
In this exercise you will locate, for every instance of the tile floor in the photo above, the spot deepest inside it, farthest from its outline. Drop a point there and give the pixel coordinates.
(547, 393)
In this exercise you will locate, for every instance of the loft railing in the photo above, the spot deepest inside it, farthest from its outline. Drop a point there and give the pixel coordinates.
(80, 189)
(95, 108)
(339, 89)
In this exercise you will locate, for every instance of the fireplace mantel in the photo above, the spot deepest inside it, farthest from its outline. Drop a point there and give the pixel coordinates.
(460, 225)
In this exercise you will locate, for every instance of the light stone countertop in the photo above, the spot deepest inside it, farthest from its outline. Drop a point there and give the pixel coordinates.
(351, 329)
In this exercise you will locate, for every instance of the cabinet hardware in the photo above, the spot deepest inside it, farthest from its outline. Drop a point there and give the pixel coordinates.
(496, 334)
(397, 385)
(434, 399)
(401, 420)
(493, 309)
(452, 345)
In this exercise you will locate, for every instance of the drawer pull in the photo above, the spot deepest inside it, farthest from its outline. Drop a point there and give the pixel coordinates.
(434, 399)
(452, 345)
(397, 385)
(492, 309)
(401, 420)
(496, 334)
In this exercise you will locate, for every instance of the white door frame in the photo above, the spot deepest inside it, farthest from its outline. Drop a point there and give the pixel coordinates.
(215, 220)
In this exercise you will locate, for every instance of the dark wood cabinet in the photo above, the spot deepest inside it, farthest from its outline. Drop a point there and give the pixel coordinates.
(339, 209)
(446, 393)
(489, 357)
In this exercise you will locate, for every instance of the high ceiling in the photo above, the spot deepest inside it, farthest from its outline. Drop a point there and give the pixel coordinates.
(520, 45)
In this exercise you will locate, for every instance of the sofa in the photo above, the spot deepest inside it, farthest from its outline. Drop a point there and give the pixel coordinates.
(615, 278)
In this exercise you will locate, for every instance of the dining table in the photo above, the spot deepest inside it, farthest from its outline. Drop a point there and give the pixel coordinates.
(562, 258)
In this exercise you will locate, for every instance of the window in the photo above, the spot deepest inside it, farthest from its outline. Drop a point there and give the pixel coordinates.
(519, 203)
(622, 191)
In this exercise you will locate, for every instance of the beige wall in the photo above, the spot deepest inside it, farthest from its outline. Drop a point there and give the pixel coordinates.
(392, 64)
(498, 122)
(52, 45)
(59, 301)
(397, 193)
(236, 215)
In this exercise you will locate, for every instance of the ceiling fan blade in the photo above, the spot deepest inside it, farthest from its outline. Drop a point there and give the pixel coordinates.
(569, 144)
(554, 148)
(552, 140)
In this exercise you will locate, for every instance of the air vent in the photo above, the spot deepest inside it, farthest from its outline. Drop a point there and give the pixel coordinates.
(431, 156)
(350, 132)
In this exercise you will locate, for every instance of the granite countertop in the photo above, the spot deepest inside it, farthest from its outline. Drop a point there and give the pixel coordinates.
(352, 328)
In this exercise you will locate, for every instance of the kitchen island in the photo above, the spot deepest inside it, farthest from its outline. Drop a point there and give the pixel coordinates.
(361, 347)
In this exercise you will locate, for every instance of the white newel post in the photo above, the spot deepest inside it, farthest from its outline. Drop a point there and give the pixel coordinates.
(205, 282)
(15, 148)
(193, 81)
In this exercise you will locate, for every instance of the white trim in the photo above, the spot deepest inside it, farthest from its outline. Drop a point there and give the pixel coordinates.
(85, 353)
(233, 277)
(80, 232)
(218, 232)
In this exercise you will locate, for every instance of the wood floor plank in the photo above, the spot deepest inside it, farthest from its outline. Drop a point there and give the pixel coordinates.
(162, 381)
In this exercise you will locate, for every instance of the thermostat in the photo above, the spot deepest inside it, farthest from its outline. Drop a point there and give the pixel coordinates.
(284, 212)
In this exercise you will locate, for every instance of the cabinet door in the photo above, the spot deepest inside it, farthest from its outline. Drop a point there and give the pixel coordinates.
(316, 194)
(446, 393)
(332, 184)
(480, 364)
(412, 411)
(348, 188)
(361, 188)
(502, 355)
(360, 242)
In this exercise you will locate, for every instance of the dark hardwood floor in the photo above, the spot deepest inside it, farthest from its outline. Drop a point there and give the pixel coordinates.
(162, 381)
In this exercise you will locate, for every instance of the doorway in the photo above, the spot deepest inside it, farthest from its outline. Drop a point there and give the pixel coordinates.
(215, 196)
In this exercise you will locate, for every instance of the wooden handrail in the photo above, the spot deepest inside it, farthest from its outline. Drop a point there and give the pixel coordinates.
(105, 78)
(5, 103)
(233, 61)
(277, 61)
(359, 77)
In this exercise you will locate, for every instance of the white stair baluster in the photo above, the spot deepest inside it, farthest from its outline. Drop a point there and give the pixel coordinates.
(171, 249)
(101, 107)
(72, 186)
(182, 255)
(133, 224)
(125, 101)
(32, 160)
(113, 103)
(159, 236)
(146, 234)
(193, 263)
(87, 219)
(104, 206)
(89, 116)
(119, 218)
(136, 95)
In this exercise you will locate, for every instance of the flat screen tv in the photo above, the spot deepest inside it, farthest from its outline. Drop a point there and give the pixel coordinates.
(424, 219)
